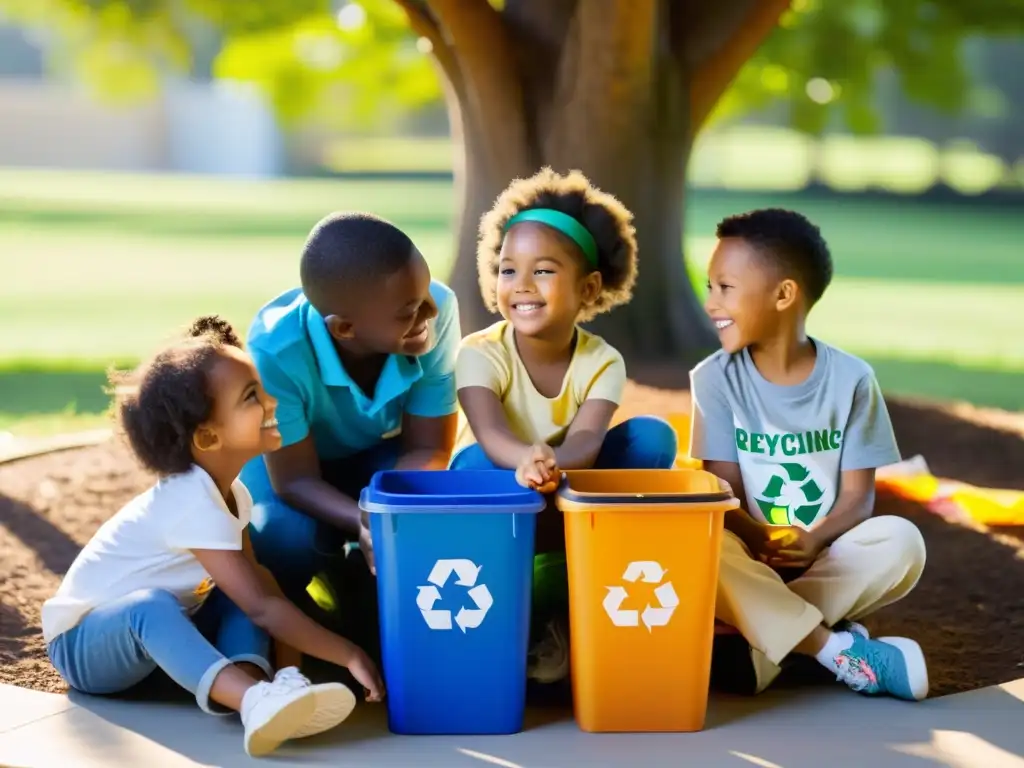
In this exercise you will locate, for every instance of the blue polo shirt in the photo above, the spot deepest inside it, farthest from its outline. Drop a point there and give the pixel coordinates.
(299, 366)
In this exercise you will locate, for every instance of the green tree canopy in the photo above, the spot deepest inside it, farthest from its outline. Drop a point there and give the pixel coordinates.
(361, 64)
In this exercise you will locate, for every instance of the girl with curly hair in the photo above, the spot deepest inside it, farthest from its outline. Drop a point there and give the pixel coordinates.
(170, 582)
(537, 391)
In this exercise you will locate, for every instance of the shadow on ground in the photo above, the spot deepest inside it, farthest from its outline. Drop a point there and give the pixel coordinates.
(981, 451)
(783, 728)
(51, 545)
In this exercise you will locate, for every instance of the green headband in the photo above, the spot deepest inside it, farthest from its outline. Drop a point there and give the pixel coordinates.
(565, 224)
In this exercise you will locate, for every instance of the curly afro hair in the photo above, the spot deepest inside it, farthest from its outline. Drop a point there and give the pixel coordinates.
(790, 241)
(162, 402)
(603, 215)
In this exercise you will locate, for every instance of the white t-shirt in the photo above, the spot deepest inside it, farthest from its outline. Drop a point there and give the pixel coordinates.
(146, 546)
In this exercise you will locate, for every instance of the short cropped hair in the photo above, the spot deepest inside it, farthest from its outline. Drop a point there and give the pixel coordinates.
(346, 249)
(788, 239)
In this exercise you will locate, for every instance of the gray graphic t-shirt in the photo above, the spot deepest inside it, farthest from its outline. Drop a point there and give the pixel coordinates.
(791, 442)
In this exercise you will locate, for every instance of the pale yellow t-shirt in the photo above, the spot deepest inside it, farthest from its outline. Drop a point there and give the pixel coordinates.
(489, 358)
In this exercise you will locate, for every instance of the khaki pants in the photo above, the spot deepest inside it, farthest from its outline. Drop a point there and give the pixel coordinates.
(870, 566)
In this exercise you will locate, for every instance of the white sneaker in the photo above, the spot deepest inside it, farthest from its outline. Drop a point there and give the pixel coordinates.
(272, 714)
(550, 656)
(334, 701)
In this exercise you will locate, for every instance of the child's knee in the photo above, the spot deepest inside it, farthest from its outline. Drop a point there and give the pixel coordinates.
(471, 457)
(896, 535)
(143, 601)
(653, 442)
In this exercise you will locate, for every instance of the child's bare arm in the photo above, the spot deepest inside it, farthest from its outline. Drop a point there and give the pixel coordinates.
(284, 654)
(853, 505)
(491, 428)
(427, 442)
(295, 475)
(586, 434)
(242, 579)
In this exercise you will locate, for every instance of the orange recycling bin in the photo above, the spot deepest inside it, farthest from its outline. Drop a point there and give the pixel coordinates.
(642, 548)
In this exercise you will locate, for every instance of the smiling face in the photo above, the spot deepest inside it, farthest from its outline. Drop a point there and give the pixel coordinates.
(393, 315)
(542, 281)
(242, 424)
(746, 299)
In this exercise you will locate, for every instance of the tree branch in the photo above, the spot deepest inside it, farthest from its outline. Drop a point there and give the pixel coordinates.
(493, 95)
(605, 74)
(538, 31)
(715, 40)
(425, 25)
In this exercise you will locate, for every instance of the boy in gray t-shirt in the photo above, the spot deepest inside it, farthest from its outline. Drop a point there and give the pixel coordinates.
(797, 428)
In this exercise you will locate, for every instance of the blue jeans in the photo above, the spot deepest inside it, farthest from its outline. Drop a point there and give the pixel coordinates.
(294, 547)
(643, 442)
(118, 645)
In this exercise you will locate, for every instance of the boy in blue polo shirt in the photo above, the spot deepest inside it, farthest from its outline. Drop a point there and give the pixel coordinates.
(361, 360)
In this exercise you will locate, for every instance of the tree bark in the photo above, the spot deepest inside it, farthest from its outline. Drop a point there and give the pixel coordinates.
(615, 88)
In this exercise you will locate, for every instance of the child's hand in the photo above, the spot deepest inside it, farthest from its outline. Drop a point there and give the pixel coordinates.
(790, 546)
(756, 536)
(365, 672)
(538, 469)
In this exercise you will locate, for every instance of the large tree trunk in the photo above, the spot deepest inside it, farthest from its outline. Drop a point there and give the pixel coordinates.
(616, 89)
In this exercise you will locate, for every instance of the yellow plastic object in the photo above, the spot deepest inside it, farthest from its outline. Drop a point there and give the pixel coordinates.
(992, 506)
(986, 506)
(920, 488)
(687, 462)
(642, 550)
(680, 422)
(786, 535)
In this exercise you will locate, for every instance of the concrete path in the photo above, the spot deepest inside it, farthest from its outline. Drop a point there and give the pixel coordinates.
(806, 728)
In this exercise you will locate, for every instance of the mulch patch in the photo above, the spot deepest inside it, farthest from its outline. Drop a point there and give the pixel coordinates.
(967, 612)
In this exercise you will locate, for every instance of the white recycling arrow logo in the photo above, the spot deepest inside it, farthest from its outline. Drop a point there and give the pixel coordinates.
(467, 618)
(652, 616)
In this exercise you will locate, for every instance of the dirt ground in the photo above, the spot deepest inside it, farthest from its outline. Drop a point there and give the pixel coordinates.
(967, 612)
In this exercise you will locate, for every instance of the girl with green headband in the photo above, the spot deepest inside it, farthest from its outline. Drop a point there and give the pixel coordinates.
(538, 392)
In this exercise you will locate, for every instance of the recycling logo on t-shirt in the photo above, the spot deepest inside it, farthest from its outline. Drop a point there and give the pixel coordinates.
(791, 497)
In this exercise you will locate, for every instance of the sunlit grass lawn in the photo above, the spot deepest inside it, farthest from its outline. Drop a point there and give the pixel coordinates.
(99, 268)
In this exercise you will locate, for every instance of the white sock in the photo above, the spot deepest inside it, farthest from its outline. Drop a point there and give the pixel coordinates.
(837, 643)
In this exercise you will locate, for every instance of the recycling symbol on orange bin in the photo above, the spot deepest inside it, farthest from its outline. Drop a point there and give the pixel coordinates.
(466, 572)
(652, 616)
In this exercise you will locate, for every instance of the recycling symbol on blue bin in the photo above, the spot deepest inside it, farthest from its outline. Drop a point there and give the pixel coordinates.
(466, 572)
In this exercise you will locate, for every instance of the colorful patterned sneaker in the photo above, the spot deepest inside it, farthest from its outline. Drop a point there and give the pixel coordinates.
(893, 665)
(549, 660)
(845, 625)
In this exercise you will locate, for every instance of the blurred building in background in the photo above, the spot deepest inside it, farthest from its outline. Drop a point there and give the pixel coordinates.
(204, 125)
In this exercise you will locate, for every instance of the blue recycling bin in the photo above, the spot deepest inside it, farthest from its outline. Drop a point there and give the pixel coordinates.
(454, 555)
